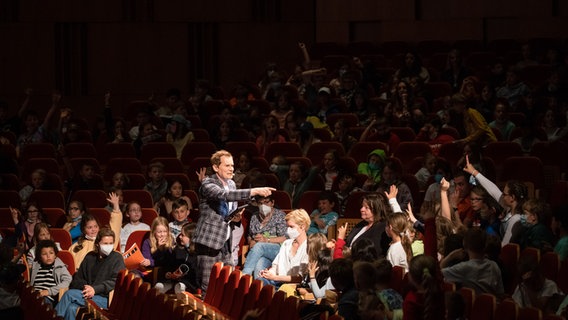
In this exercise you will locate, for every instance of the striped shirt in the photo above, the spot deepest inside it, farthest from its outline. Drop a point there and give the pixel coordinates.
(45, 279)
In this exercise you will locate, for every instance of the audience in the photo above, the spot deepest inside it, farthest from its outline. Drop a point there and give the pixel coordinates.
(361, 279)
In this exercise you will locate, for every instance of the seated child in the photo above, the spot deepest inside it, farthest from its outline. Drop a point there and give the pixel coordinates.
(75, 212)
(134, 215)
(372, 280)
(372, 168)
(325, 215)
(180, 212)
(341, 274)
(320, 257)
(41, 232)
(346, 185)
(185, 273)
(157, 249)
(423, 300)
(157, 184)
(48, 272)
(479, 273)
(535, 289)
(428, 170)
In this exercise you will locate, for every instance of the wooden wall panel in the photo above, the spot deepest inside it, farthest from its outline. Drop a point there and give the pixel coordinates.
(201, 10)
(549, 28)
(453, 29)
(71, 10)
(517, 8)
(27, 58)
(503, 28)
(338, 10)
(366, 31)
(330, 31)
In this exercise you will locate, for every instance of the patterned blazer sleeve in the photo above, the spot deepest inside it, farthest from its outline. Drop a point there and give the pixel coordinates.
(211, 227)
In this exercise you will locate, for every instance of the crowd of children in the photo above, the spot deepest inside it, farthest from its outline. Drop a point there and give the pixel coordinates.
(463, 211)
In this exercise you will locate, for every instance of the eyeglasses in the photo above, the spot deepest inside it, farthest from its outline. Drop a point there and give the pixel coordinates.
(476, 199)
(74, 208)
(33, 211)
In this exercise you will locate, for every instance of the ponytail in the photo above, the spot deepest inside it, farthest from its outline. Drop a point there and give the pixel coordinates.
(424, 270)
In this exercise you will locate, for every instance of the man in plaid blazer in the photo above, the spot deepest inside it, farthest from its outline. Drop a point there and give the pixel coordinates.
(218, 198)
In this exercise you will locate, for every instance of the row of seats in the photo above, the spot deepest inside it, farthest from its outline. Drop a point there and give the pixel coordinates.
(551, 266)
(230, 296)
(33, 305)
(196, 154)
(485, 307)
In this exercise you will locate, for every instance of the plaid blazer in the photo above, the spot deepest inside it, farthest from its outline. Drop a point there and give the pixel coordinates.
(211, 227)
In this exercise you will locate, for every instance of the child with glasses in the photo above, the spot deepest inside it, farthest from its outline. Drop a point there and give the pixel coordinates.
(24, 223)
(75, 213)
(134, 215)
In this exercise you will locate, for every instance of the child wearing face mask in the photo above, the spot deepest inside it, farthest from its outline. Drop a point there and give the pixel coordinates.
(372, 168)
(90, 229)
(184, 271)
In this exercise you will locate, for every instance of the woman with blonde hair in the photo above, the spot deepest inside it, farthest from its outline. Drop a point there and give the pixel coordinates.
(291, 263)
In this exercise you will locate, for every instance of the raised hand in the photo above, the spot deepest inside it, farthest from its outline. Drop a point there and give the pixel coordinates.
(201, 174)
(411, 216)
(341, 231)
(312, 268)
(468, 167)
(114, 200)
(393, 191)
(444, 185)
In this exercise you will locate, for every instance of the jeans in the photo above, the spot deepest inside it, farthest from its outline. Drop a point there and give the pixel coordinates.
(260, 257)
(72, 300)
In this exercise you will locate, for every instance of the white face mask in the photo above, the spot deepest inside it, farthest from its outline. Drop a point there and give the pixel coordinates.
(265, 210)
(88, 237)
(292, 233)
(106, 249)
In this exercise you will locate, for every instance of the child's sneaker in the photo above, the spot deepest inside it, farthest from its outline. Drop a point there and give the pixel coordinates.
(160, 287)
(179, 288)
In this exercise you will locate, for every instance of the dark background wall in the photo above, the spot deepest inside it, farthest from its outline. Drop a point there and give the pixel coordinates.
(136, 47)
